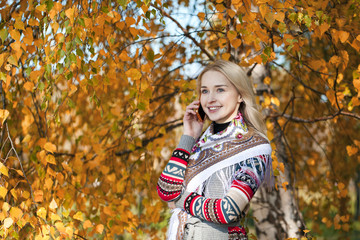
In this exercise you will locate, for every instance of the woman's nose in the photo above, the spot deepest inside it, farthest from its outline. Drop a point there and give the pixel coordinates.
(211, 97)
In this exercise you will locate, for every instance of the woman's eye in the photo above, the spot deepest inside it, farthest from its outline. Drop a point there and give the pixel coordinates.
(204, 91)
(221, 90)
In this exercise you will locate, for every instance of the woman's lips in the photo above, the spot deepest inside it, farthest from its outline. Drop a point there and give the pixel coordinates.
(213, 109)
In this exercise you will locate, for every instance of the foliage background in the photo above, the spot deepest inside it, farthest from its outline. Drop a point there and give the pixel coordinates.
(92, 94)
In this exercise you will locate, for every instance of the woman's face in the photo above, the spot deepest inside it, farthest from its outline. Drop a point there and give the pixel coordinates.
(219, 98)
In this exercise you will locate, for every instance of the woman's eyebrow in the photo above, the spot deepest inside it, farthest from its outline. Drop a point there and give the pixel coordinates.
(223, 85)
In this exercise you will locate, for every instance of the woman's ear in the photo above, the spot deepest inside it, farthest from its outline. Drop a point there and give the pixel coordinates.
(240, 100)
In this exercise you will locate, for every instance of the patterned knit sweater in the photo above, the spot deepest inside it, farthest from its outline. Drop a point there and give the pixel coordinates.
(220, 201)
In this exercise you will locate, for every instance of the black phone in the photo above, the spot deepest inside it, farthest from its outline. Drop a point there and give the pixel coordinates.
(200, 113)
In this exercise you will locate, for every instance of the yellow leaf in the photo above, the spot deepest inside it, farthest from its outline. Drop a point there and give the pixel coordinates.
(16, 213)
(19, 24)
(306, 231)
(267, 80)
(133, 73)
(3, 115)
(41, 8)
(65, 213)
(54, 217)
(78, 216)
(51, 159)
(12, 60)
(41, 212)
(53, 204)
(275, 101)
(8, 222)
(3, 169)
(50, 147)
(29, 86)
(3, 192)
(73, 89)
(100, 228)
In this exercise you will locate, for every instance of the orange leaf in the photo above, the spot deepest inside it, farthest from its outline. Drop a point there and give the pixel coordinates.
(87, 224)
(284, 184)
(39, 196)
(351, 150)
(231, 35)
(226, 56)
(323, 28)
(100, 228)
(70, 14)
(130, 21)
(236, 43)
(269, 18)
(29, 86)
(343, 35)
(15, 34)
(201, 16)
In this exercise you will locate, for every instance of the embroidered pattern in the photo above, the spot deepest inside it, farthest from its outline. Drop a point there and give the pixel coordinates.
(229, 209)
(171, 180)
(237, 233)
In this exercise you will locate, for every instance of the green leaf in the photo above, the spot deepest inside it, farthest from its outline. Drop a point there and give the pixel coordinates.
(150, 55)
(307, 21)
(293, 17)
(79, 52)
(49, 5)
(3, 34)
(70, 103)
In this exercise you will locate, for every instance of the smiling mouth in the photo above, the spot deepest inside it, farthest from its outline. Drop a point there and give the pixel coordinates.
(213, 108)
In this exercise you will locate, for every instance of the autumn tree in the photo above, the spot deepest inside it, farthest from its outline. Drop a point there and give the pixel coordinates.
(92, 98)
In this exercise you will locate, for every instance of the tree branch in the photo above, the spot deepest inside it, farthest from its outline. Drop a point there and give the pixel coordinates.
(185, 31)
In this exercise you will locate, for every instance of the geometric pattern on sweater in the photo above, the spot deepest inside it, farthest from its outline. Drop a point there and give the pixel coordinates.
(246, 181)
(170, 183)
(237, 233)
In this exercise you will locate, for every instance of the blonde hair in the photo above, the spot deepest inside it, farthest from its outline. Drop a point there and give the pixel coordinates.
(237, 76)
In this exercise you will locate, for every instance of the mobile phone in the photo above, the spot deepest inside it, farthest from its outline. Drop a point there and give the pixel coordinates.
(200, 113)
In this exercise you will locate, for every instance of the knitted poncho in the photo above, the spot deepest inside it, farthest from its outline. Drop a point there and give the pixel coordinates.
(243, 153)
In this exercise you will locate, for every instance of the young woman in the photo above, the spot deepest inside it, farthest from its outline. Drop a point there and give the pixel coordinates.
(211, 177)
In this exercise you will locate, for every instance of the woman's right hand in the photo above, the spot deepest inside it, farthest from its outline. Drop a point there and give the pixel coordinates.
(192, 126)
